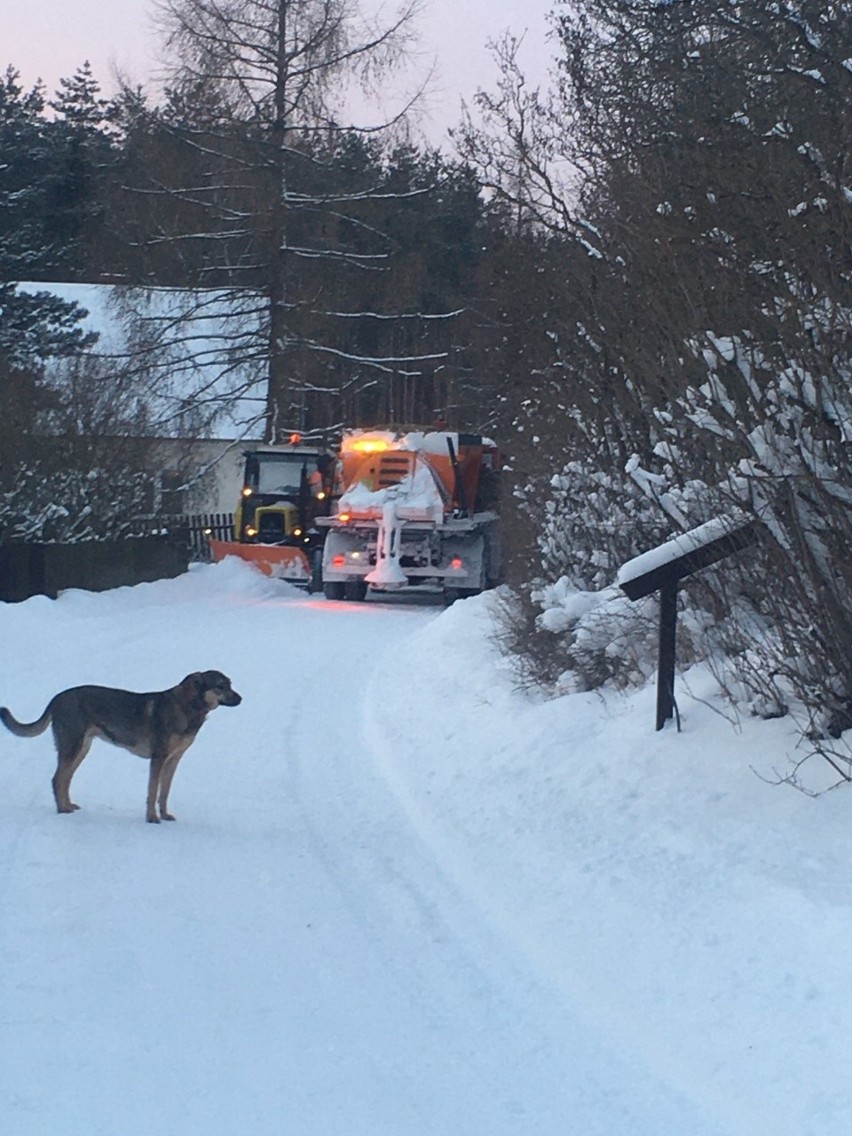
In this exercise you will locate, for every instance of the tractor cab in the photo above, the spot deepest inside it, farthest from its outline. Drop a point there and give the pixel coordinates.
(285, 488)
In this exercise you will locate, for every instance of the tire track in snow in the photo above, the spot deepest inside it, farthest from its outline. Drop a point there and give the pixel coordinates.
(580, 1003)
(509, 1042)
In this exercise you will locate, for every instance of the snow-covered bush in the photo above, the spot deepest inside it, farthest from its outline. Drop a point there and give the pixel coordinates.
(604, 638)
(776, 620)
(701, 348)
(73, 453)
(782, 434)
(71, 505)
(593, 521)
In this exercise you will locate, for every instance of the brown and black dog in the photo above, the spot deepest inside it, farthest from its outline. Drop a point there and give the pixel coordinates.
(160, 726)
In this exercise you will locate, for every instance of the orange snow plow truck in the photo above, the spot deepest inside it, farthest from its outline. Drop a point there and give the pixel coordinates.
(418, 508)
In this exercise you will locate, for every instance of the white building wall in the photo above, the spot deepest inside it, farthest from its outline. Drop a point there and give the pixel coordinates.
(211, 472)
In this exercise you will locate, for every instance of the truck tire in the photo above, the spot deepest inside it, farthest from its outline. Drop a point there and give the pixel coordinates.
(333, 589)
(315, 582)
(493, 556)
(355, 590)
(483, 578)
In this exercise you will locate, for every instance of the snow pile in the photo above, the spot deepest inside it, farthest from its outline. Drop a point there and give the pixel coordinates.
(667, 887)
(416, 494)
(435, 441)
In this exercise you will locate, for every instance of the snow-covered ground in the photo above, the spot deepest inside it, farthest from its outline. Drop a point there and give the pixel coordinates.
(403, 899)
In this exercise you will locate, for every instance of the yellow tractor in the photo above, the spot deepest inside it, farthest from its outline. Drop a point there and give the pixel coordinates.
(285, 489)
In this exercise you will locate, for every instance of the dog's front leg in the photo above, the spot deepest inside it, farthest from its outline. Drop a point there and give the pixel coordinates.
(154, 774)
(169, 767)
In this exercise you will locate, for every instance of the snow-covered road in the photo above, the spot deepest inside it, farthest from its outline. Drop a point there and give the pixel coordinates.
(288, 958)
(321, 946)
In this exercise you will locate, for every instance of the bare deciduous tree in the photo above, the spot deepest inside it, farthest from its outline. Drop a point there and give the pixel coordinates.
(280, 185)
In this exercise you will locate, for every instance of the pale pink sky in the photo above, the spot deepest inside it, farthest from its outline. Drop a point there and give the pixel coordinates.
(50, 39)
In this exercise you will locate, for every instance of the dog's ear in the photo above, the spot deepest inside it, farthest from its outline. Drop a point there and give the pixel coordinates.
(192, 691)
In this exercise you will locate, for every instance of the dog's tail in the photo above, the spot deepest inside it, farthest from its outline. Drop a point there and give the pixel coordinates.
(26, 729)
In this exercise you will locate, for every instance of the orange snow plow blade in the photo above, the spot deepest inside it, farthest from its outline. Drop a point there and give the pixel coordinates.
(283, 562)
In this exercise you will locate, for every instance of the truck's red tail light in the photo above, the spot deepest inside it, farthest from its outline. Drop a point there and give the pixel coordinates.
(338, 561)
(457, 563)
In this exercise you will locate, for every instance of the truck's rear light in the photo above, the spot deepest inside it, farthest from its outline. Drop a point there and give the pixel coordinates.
(338, 561)
(457, 563)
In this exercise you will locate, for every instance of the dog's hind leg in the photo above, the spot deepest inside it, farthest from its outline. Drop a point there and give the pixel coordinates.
(70, 757)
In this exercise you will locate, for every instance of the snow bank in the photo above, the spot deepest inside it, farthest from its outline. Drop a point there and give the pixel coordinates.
(663, 883)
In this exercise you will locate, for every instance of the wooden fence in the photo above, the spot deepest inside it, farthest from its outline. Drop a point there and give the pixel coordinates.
(33, 569)
(195, 530)
(95, 565)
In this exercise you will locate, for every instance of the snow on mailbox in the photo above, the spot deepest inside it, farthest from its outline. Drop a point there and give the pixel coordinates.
(660, 570)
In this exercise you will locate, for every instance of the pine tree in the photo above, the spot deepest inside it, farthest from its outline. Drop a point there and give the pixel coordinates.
(82, 154)
(24, 249)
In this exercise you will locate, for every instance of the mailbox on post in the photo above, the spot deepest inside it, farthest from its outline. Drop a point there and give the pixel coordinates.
(662, 568)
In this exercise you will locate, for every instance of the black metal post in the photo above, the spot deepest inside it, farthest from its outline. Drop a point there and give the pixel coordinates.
(666, 661)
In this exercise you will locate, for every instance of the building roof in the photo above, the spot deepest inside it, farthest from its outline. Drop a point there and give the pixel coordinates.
(192, 362)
